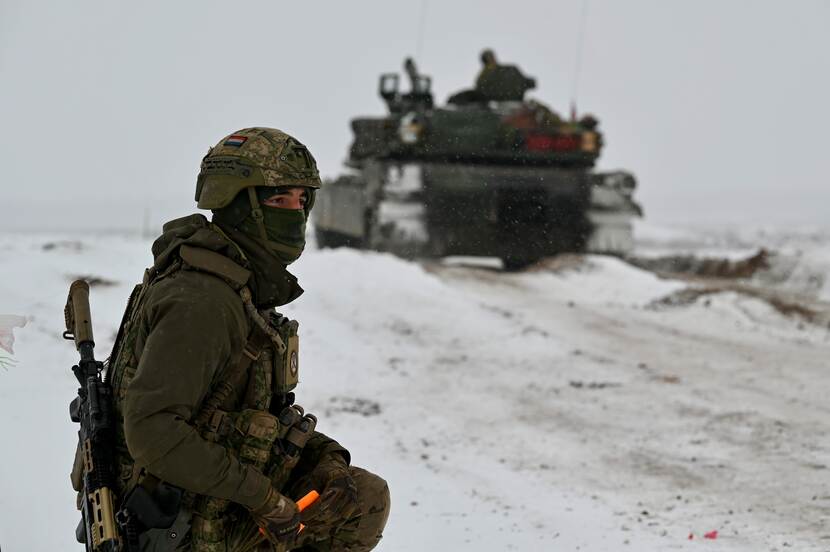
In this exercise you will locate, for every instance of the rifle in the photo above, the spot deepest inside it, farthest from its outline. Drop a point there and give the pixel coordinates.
(93, 410)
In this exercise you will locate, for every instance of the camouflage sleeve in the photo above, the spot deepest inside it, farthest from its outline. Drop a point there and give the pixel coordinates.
(317, 449)
(192, 329)
(320, 446)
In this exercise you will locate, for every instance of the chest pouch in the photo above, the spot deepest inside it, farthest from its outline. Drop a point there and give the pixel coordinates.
(252, 437)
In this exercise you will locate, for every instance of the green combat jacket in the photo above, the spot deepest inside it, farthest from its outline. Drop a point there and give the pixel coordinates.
(191, 329)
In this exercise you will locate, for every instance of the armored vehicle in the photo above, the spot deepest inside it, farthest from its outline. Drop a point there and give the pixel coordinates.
(489, 174)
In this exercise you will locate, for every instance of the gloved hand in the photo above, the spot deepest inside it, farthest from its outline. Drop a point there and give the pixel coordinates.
(338, 492)
(279, 518)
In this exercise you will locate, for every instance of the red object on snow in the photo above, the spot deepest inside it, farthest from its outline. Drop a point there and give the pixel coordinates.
(711, 535)
(691, 536)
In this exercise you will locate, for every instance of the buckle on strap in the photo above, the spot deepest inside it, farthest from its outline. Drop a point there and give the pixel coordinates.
(216, 421)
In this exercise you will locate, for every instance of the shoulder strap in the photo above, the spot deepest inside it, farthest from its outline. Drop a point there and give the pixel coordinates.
(216, 264)
(260, 321)
(257, 340)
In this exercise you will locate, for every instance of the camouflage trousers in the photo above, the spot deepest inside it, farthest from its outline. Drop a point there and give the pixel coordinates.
(360, 532)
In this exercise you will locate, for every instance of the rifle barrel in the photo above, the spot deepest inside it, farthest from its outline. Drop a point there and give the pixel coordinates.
(78, 316)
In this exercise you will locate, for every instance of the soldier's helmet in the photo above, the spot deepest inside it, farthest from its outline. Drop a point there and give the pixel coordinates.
(488, 57)
(251, 157)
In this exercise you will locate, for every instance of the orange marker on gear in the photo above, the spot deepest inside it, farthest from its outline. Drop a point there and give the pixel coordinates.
(302, 504)
(305, 502)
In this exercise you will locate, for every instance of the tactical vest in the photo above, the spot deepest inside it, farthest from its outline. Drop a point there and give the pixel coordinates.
(260, 424)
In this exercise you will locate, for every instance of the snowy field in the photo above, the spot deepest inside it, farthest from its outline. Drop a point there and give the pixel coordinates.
(572, 406)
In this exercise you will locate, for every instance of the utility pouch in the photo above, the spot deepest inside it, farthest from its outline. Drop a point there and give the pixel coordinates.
(299, 434)
(287, 365)
(297, 428)
(156, 508)
(169, 538)
(254, 436)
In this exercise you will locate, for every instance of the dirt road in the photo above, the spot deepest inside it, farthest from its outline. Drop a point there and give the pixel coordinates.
(710, 415)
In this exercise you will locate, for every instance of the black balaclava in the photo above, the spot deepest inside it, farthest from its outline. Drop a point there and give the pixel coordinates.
(285, 240)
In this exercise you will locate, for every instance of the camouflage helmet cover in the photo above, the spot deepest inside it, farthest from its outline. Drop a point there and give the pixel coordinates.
(250, 157)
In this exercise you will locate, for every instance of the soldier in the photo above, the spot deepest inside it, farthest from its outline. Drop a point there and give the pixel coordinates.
(203, 370)
(488, 65)
(500, 83)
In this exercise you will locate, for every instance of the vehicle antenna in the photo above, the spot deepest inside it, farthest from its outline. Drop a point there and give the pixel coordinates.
(580, 41)
(421, 30)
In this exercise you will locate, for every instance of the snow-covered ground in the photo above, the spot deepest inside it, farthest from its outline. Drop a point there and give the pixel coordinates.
(561, 408)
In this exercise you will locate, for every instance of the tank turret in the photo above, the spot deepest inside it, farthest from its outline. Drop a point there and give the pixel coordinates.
(490, 123)
(491, 172)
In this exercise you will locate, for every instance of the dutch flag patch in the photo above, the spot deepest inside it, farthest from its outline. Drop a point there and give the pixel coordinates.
(235, 140)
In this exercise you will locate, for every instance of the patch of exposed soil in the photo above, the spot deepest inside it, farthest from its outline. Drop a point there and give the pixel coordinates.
(814, 312)
(353, 405)
(706, 267)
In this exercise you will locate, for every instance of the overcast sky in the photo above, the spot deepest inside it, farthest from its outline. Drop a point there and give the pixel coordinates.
(720, 108)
